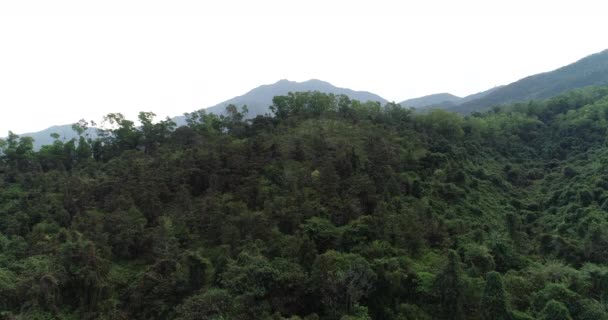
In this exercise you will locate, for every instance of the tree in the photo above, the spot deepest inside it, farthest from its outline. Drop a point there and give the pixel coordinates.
(213, 304)
(80, 127)
(84, 268)
(234, 121)
(126, 230)
(200, 270)
(83, 151)
(153, 134)
(322, 232)
(449, 284)
(251, 279)
(493, 303)
(342, 279)
(555, 310)
(203, 122)
(122, 135)
(558, 292)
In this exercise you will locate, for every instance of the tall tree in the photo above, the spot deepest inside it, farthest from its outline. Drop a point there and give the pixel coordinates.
(555, 310)
(493, 302)
(449, 285)
(343, 279)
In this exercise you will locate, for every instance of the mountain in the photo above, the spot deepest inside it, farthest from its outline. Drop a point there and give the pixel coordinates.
(438, 99)
(318, 216)
(589, 71)
(259, 99)
(478, 95)
(65, 132)
(444, 100)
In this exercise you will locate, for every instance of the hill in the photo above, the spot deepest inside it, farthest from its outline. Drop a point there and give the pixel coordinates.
(433, 100)
(444, 100)
(333, 209)
(259, 99)
(589, 71)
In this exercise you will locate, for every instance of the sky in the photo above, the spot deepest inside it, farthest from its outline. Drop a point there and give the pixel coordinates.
(61, 61)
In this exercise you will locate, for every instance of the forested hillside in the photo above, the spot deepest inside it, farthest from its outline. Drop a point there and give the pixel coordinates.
(331, 209)
(589, 71)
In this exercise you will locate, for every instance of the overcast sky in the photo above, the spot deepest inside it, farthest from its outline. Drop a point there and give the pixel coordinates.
(65, 60)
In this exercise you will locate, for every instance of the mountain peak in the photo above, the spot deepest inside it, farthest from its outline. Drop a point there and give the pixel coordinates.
(438, 99)
(283, 81)
(317, 81)
(260, 98)
(309, 81)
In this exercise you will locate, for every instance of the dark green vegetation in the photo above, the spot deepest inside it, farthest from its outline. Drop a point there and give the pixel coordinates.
(332, 209)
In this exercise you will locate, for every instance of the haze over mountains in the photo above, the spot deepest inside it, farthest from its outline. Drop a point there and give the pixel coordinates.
(589, 71)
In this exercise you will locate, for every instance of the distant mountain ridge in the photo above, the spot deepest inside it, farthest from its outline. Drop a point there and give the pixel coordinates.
(443, 100)
(437, 99)
(65, 132)
(259, 99)
(589, 71)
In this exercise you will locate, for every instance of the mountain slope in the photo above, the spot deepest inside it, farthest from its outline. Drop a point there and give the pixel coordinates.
(365, 213)
(589, 71)
(65, 132)
(259, 99)
(438, 99)
(444, 100)
(478, 95)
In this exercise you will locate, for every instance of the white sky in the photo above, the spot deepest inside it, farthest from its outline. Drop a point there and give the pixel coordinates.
(65, 60)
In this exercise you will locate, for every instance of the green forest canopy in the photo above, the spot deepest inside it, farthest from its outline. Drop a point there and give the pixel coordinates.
(331, 209)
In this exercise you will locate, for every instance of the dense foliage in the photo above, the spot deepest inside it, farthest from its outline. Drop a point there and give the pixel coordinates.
(330, 209)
